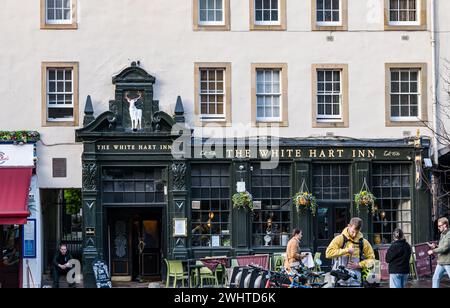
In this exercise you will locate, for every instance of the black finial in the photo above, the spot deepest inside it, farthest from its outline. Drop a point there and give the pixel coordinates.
(133, 64)
(179, 111)
(88, 112)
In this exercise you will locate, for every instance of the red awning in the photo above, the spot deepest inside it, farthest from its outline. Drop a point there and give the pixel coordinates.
(14, 188)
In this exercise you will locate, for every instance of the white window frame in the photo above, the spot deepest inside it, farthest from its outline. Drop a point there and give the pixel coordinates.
(267, 23)
(72, 105)
(419, 94)
(212, 117)
(324, 117)
(211, 23)
(58, 21)
(329, 23)
(405, 23)
(272, 94)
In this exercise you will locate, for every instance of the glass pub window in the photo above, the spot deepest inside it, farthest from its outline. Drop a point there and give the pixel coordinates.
(329, 94)
(212, 93)
(58, 11)
(273, 188)
(331, 181)
(405, 95)
(211, 12)
(141, 185)
(211, 224)
(328, 11)
(267, 12)
(268, 94)
(392, 187)
(60, 94)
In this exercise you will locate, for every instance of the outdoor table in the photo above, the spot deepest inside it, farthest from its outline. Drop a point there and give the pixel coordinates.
(191, 265)
(214, 262)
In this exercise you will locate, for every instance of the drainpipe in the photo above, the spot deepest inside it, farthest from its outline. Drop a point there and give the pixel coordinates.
(435, 115)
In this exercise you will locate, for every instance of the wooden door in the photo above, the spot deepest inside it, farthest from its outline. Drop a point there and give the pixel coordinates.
(150, 247)
(120, 247)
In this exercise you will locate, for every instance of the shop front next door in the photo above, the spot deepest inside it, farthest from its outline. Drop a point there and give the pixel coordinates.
(135, 243)
(331, 220)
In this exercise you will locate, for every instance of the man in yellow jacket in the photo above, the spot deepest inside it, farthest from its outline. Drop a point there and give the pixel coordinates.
(346, 248)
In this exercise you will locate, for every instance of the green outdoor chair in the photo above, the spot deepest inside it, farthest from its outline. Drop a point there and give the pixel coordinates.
(175, 270)
(317, 262)
(206, 274)
(412, 267)
(278, 262)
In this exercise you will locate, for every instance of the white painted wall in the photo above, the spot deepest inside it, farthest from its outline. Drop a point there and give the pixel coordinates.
(443, 58)
(159, 33)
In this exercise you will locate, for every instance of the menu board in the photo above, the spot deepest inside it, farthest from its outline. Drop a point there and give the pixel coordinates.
(425, 264)
(101, 273)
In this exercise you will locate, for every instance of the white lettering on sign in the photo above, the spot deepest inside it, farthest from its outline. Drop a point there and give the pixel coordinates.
(391, 154)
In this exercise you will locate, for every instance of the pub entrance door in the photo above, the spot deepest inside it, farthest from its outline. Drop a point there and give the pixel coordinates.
(331, 220)
(331, 186)
(135, 243)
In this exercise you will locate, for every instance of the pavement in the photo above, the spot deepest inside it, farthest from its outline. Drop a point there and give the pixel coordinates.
(421, 283)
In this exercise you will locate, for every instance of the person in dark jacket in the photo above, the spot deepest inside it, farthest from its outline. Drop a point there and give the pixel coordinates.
(60, 264)
(398, 256)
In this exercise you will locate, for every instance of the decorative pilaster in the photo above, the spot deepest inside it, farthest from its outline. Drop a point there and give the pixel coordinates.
(242, 219)
(361, 173)
(179, 208)
(92, 233)
(304, 221)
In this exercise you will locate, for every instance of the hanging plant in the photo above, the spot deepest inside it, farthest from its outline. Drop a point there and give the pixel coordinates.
(243, 200)
(305, 200)
(365, 198)
(19, 137)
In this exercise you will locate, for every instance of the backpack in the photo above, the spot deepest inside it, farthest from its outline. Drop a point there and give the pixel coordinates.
(360, 243)
(347, 277)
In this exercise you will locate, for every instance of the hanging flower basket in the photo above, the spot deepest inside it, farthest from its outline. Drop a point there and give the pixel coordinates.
(305, 200)
(19, 137)
(365, 198)
(243, 200)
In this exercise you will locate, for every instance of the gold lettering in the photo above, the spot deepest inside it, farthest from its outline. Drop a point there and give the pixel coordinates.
(289, 153)
(322, 153)
(102, 147)
(361, 153)
(247, 153)
(331, 153)
(238, 153)
(298, 153)
(275, 153)
(115, 147)
(229, 153)
(312, 153)
(353, 153)
(340, 152)
(371, 153)
(264, 153)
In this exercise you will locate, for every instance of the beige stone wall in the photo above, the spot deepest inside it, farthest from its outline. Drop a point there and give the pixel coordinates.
(160, 33)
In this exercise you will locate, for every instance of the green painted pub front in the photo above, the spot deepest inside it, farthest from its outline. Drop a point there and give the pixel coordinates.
(143, 202)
